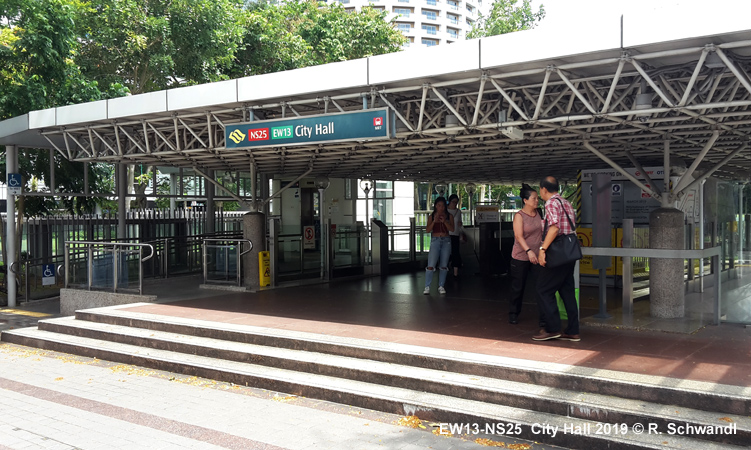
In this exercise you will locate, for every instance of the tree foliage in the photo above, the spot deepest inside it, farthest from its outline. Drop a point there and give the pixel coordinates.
(301, 33)
(506, 17)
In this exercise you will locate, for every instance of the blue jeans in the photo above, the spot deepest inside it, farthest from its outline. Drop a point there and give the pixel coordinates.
(440, 247)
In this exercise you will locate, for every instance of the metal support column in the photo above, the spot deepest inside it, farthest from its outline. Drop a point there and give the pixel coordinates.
(11, 166)
(122, 191)
(628, 270)
(210, 210)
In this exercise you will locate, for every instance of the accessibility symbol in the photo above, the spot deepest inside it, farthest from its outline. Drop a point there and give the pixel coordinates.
(14, 183)
(48, 275)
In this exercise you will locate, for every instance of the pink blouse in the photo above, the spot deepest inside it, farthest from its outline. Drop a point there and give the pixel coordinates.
(532, 232)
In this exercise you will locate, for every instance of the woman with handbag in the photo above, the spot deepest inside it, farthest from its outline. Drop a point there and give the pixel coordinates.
(527, 240)
(440, 223)
(559, 237)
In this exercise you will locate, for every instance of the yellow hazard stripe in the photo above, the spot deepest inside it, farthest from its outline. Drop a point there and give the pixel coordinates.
(24, 313)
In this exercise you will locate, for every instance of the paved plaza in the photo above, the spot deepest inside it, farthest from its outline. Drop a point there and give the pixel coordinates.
(56, 401)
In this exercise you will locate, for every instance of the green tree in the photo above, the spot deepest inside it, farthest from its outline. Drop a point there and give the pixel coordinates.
(148, 45)
(506, 17)
(301, 33)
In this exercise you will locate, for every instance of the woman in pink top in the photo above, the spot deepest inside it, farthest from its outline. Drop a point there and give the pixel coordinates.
(527, 240)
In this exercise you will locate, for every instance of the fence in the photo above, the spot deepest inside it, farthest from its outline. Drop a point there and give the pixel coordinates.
(176, 236)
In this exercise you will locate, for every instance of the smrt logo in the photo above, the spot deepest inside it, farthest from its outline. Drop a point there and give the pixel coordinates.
(237, 136)
(259, 134)
(377, 121)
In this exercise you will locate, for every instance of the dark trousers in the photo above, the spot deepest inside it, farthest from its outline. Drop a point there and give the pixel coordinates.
(456, 257)
(519, 271)
(559, 279)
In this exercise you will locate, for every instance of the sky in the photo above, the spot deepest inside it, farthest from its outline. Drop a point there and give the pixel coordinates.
(564, 13)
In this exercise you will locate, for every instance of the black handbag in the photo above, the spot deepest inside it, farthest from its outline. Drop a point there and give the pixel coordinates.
(565, 248)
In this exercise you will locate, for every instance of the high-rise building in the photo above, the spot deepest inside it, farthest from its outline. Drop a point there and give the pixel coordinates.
(428, 22)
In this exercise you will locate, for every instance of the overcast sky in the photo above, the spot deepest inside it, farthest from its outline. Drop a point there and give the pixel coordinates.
(562, 13)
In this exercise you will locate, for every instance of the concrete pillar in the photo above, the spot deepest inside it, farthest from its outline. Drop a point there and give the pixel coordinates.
(666, 290)
(254, 229)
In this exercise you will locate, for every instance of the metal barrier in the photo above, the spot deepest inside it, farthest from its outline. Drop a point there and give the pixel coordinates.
(120, 253)
(225, 244)
(628, 253)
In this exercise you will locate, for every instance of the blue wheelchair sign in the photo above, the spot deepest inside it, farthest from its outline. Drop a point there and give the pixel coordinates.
(14, 183)
(48, 274)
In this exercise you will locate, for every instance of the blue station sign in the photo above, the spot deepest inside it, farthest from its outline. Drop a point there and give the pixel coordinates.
(370, 124)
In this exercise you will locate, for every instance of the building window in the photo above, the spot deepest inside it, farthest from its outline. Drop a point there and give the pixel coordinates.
(431, 2)
(402, 11)
(404, 27)
(470, 9)
(453, 33)
(430, 15)
(453, 19)
(430, 29)
(403, 1)
(470, 22)
(429, 42)
(453, 5)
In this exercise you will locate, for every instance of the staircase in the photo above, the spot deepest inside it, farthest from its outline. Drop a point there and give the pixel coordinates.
(569, 406)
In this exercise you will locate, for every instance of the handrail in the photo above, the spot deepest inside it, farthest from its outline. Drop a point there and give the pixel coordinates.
(240, 241)
(628, 253)
(116, 246)
(235, 242)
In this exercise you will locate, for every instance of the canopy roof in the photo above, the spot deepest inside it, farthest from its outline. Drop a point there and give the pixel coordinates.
(570, 96)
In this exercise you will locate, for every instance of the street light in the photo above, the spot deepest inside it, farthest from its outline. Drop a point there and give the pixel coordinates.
(322, 183)
(440, 189)
(367, 186)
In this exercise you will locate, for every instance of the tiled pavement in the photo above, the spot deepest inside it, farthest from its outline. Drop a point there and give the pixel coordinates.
(52, 400)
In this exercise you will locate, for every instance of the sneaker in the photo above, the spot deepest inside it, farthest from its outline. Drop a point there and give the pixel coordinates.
(441, 290)
(545, 336)
(426, 291)
(570, 337)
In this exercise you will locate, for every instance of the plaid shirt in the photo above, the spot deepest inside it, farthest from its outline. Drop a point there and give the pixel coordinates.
(554, 215)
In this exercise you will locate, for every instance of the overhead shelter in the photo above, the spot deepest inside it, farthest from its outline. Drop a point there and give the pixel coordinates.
(502, 109)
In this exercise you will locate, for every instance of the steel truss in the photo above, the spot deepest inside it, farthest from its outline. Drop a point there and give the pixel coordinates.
(572, 115)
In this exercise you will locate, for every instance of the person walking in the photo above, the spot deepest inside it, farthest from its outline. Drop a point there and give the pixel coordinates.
(456, 234)
(527, 241)
(558, 221)
(440, 223)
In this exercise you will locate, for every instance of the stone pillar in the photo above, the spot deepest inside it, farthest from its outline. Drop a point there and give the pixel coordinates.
(666, 290)
(254, 229)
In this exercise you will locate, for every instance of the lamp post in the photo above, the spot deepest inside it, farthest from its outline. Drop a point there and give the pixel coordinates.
(471, 188)
(440, 189)
(367, 186)
(322, 183)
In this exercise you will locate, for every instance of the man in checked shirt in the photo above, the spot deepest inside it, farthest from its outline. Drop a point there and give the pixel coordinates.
(558, 279)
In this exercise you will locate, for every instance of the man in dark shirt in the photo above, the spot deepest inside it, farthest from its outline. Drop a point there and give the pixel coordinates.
(558, 279)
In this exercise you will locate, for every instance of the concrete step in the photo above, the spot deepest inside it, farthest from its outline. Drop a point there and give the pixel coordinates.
(684, 393)
(572, 432)
(471, 387)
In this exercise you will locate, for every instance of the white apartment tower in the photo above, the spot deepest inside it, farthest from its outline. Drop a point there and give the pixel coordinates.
(428, 22)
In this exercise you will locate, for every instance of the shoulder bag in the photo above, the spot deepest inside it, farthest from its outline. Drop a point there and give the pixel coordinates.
(565, 248)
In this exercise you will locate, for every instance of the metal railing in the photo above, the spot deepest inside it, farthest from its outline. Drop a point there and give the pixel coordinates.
(628, 253)
(223, 248)
(105, 254)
